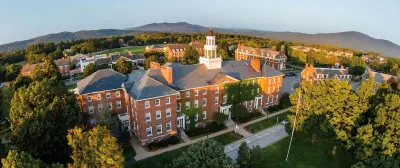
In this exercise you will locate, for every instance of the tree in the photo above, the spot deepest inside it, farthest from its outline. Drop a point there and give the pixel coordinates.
(22, 159)
(123, 66)
(89, 69)
(50, 70)
(12, 71)
(94, 148)
(220, 118)
(223, 50)
(40, 116)
(249, 158)
(191, 55)
(150, 59)
(239, 112)
(356, 70)
(207, 153)
(299, 54)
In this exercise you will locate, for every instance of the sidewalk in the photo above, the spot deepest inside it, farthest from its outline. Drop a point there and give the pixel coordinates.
(141, 153)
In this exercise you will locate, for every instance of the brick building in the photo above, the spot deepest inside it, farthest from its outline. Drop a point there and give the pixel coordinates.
(175, 51)
(310, 73)
(268, 55)
(155, 98)
(62, 65)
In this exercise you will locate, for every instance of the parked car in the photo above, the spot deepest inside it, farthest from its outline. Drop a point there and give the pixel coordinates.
(289, 74)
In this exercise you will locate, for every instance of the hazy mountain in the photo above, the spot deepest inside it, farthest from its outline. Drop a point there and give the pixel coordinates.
(350, 39)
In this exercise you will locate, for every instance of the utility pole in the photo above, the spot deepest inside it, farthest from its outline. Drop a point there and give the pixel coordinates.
(294, 126)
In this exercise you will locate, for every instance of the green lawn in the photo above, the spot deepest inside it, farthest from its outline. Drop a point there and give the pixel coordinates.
(305, 154)
(22, 63)
(263, 124)
(128, 151)
(73, 86)
(165, 158)
(133, 49)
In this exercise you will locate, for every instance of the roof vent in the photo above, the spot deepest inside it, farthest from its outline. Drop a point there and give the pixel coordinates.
(233, 65)
(246, 63)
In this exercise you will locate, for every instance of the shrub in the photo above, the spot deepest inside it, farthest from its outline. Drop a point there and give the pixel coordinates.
(213, 127)
(172, 140)
(239, 112)
(220, 118)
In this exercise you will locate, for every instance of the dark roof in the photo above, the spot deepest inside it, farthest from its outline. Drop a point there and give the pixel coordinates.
(61, 62)
(138, 57)
(156, 46)
(330, 71)
(210, 32)
(141, 86)
(192, 76)
(115, 57)
(104, 79)
(101, 61)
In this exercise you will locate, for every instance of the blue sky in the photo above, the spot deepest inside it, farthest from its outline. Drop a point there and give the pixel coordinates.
(22, 20)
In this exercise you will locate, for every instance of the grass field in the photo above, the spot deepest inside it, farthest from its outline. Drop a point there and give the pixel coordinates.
(263, 124)
(133, 49)
(163, 159)
(73, 86)
(305, 154)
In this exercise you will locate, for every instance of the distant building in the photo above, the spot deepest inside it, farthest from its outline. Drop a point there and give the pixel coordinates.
(62, 65)
(334, 53)
(268, 55)
(176, 51)
(310, 73)
(111, 60)
(381, 77)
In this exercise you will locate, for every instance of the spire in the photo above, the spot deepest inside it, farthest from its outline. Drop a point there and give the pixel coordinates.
(210, 32)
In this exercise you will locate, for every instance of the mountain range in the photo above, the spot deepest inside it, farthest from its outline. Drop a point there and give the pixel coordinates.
(349, 39)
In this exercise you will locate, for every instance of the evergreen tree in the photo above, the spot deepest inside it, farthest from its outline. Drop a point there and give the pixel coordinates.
(191, 56)
(89, 69)
(123, 66)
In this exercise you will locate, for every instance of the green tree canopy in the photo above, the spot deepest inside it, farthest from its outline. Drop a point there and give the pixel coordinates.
(89, 69)
(16, 159)
(94, 148)
(191, 55)
(249, 158)
(123, 66)
(40, 116)
(150, 59)
(208, 153)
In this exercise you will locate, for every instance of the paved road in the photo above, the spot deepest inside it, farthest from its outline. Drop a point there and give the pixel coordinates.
(263, 138)
(288, 83)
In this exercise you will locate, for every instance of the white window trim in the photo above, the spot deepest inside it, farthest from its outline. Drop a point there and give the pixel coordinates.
(159, 124)
(196, 92)
(187, 93)
(148, 120)
(166, 112)
(169, 100)
(93, 123)
(120, 104)
(170, 126)
(180, 107)
(159, 102)
(147, 104)
(158, 112)
(108, 95)
(217, 89)
(109, 105)
(204, 114)
(151, 131)
(196, 103)
(178, 96)
(117, 93)
(204, 91)
(186, 105)
(91, 107)
(216, 100)
(89, 98)
(98, 96)
(204, 102)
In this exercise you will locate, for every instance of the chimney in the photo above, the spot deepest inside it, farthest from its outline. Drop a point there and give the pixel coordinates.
(167, 73)
(311, 66)
(154, 65)
(255, 63)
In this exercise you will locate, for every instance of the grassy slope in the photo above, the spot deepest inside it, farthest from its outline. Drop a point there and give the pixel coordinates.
(133, 49)
(263, 124)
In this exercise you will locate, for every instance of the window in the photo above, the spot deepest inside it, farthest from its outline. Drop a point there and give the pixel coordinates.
(187, 93)
(196, 103)
(168, 112)
(272, 99)
(279, 79)
(109, 105)
(269, 89)
(98, 96)
(89, 98)
(158, 114)
(93, 122)
(149, 131)
(178, 96)
(216, 100)
(168, 126)
(269, 81)
(100, 107)
(157, 102)
(204, 101)
(148, 117)
(178, 107)
(108, 95)
(204, 114)
(267, 100)
(217, 89)
(117, 93)
(204, 91)
(187, 105)
(146, 104)
(196, 117)
(253, 82)
(258, 81)
(91, 110)
(119, 104)
(224, 99)
(274, 80)
(258, 90)
(196, 92)
(273, 89)
(276, 98)
(159, 128)
(167, 100)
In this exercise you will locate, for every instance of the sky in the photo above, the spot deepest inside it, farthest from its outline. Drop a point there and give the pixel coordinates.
(22, 20)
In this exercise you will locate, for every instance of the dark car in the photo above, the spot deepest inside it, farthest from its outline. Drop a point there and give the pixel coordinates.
(289, 74)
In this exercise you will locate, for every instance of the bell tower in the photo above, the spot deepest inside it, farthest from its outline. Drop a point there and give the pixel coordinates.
(210, 58)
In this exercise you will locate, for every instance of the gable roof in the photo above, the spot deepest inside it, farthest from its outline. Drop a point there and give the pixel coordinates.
(138, 57)
(381, 77)
(140, 86)
(193, 76)
(331, 72)
(115, 57)
(101, 80)
(61, 62)
(106, 60)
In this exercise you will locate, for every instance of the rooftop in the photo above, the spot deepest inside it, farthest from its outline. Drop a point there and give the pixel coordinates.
(101, 80)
